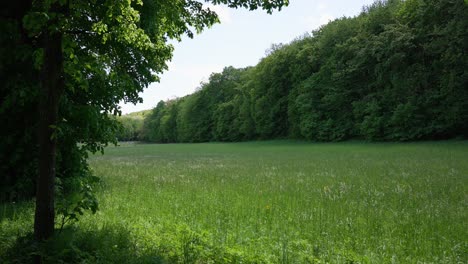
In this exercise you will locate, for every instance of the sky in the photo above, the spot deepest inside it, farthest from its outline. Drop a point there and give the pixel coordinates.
(240, 40)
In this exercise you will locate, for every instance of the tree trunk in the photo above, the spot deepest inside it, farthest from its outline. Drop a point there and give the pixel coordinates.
(51, 89)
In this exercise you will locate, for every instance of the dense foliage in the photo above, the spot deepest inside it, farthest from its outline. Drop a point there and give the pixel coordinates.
(131, 125)
(395, 72)
(64, 68)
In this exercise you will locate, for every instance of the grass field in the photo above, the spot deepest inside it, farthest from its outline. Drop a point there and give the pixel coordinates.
(272, 202)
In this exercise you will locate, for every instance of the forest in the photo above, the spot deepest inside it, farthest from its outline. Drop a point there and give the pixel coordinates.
(396, 72)
(259, 185)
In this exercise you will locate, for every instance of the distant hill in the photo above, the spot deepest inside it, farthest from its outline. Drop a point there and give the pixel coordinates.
(132, 124)
(138, 115)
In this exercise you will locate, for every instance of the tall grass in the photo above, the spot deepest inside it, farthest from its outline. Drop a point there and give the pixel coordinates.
(277, 202)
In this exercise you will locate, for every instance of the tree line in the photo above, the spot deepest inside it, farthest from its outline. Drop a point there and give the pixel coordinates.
(395, 72)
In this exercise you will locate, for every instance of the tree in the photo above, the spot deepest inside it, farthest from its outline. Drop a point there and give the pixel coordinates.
(152, 124)
(90, 55)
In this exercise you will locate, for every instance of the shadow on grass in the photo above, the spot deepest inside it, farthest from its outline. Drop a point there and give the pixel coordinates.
(73, 245)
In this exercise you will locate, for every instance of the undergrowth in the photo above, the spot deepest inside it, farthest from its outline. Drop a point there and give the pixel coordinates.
(270, 202)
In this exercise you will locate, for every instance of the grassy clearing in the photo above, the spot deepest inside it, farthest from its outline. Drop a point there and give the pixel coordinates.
(272, 202)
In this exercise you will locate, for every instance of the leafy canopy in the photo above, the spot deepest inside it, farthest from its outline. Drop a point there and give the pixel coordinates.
(112, 50)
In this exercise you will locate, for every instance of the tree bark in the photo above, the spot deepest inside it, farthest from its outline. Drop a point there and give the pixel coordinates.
(51, 89)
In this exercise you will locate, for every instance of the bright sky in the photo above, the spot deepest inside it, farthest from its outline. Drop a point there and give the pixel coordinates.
(240, 41)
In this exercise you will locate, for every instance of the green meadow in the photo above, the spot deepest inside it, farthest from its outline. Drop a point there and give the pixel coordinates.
(266, 202)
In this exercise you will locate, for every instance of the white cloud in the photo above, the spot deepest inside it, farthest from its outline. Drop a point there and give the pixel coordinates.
(311, 21)
(321, 6)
